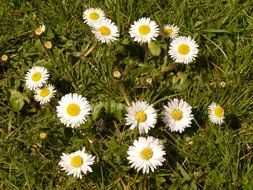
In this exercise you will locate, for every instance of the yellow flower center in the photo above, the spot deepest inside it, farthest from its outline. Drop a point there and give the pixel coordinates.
(73, 109)
(146, 153)
(76, 161)
(36, 76)
(177, 114)
(141, 116)
(168, 31)
(219, 111)
(44, 92)
(104, 30)
(144, 29)
(183, 49)
(94, 16)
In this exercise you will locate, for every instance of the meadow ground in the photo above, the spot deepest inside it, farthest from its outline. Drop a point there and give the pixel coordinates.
(204, 156)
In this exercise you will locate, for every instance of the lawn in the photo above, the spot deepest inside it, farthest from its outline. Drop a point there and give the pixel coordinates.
(112, 76)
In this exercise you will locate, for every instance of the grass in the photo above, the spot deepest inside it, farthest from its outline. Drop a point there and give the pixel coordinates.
(205, 156)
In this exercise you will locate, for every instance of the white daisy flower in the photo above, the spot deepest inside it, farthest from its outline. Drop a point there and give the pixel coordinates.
(36, 77)
(216, 113)
(183, 49)
(105, 30)
(76, 163)
(92, 15)
(40, 30)
(146, 154)
(141, 115)
(144, 30)
(170, 31)
(43, 95)
(177, 115)
(73, 110)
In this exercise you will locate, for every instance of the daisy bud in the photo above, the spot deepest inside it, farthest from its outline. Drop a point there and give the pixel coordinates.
(48, 45)
(116, 74)
(4, 58)
(40, 30)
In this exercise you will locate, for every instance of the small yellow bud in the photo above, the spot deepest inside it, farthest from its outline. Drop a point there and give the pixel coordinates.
(4, 57)
(43, 135)
(116, 74)
(48, 45)
(40, 30)
(149, 80)
(223, 84)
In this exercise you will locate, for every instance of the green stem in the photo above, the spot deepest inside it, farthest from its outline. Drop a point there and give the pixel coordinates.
(166, 53)
(91, 49)
(48, 52)
(14, 70)
(87, 53)
(145, 45)
(123, 91)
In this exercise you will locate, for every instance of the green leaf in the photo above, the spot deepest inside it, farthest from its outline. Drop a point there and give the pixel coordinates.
(17, 103)
(50, 34)
(183, 172)
(125, 41)
(97, 110)
(38, 45)
(154, 48)
(175, 79)
(119, 111)
(211, 30)
(182, 77)
(17, 94)
(17, 99)
(160, 180)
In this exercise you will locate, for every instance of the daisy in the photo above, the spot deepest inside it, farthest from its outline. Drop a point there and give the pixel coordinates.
(76, 163)
(141, 115)
(43, 95)
(170, 31)
(92, 15)
(36, 77)
(105, 30)
(216, 113)
(146, 154)
(177, 115)
(73, 110)
(40, 30)
(183, 49)
(144, 30)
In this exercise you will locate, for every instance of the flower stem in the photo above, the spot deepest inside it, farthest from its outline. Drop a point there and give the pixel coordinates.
(91, 49)
(123, 91)
(87, 53)
(14, 70)
(166, 53)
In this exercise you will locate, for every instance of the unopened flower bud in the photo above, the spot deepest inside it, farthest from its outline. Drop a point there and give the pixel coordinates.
(149, 80)
(223, 84)
(40, 30)
(43, 135)
(116, 74)
(48, 45)
(4, 57)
